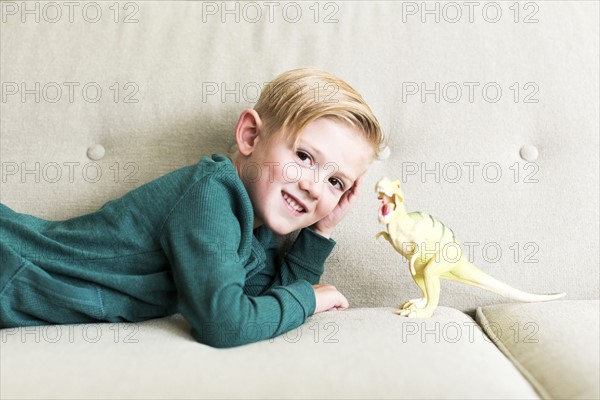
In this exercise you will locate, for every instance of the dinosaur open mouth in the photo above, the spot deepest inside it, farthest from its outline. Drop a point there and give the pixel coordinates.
(387, 205)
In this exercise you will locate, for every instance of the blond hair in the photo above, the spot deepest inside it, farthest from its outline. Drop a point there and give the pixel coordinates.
(299, 96)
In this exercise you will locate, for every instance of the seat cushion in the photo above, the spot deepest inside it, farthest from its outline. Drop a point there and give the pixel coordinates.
(358, 353)
(554, 344)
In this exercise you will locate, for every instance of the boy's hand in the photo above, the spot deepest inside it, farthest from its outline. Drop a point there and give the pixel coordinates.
(325, 226)
(328, 298)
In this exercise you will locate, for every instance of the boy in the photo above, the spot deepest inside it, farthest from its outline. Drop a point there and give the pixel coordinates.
(199, 240)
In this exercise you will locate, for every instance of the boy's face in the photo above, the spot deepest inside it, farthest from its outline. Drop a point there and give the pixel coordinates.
(292, 189)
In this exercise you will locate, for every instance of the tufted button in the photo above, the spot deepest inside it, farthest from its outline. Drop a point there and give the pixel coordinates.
(529, 152)
(95, 152)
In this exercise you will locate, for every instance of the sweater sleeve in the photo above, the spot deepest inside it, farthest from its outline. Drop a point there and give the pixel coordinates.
(206, 243)
(304, 260)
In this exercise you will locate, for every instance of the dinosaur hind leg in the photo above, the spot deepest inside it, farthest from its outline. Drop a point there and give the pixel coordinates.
(420, 302)
(435, 268)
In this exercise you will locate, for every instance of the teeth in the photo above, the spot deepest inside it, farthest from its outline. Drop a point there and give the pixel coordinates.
(292, 203)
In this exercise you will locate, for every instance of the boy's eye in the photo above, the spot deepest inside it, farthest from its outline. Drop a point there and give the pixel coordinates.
(336, 183)
(304, 157)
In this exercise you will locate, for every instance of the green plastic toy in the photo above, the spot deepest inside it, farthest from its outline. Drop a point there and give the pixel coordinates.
(424, 241)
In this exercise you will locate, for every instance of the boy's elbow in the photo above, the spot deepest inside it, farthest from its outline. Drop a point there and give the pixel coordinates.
(221, 335)
(214, 341)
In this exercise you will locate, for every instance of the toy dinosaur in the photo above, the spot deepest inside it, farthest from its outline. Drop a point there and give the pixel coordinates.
(420, 238)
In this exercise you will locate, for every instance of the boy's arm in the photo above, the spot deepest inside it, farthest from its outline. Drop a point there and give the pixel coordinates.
(204, 242)
(304, 260)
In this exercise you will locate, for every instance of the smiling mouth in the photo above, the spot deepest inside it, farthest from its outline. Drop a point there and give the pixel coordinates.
(292, 203)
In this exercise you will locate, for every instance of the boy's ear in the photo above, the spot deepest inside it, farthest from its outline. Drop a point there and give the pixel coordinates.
(247, 131)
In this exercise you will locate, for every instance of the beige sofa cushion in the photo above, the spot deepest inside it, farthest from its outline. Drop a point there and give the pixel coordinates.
(358, 353)
(554, 344)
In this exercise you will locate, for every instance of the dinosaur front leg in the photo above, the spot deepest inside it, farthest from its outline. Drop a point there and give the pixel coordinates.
(385, 235)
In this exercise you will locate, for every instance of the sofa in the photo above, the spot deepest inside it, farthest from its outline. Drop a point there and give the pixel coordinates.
(491, 114)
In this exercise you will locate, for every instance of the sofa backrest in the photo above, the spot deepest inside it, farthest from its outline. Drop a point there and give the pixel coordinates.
(491, 109)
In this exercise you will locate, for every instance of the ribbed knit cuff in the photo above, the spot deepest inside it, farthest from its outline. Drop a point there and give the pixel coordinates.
(311, 250)
(305, 294)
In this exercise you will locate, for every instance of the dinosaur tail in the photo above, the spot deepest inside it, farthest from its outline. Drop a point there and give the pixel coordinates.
(471, 275)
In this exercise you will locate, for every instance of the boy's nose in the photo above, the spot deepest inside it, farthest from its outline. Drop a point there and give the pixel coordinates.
(311, 185)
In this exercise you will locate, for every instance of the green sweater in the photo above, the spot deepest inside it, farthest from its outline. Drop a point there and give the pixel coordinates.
(182, 243)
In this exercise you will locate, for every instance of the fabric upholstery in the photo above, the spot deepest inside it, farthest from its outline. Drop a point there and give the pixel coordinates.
(359, 353)
(560, 359)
